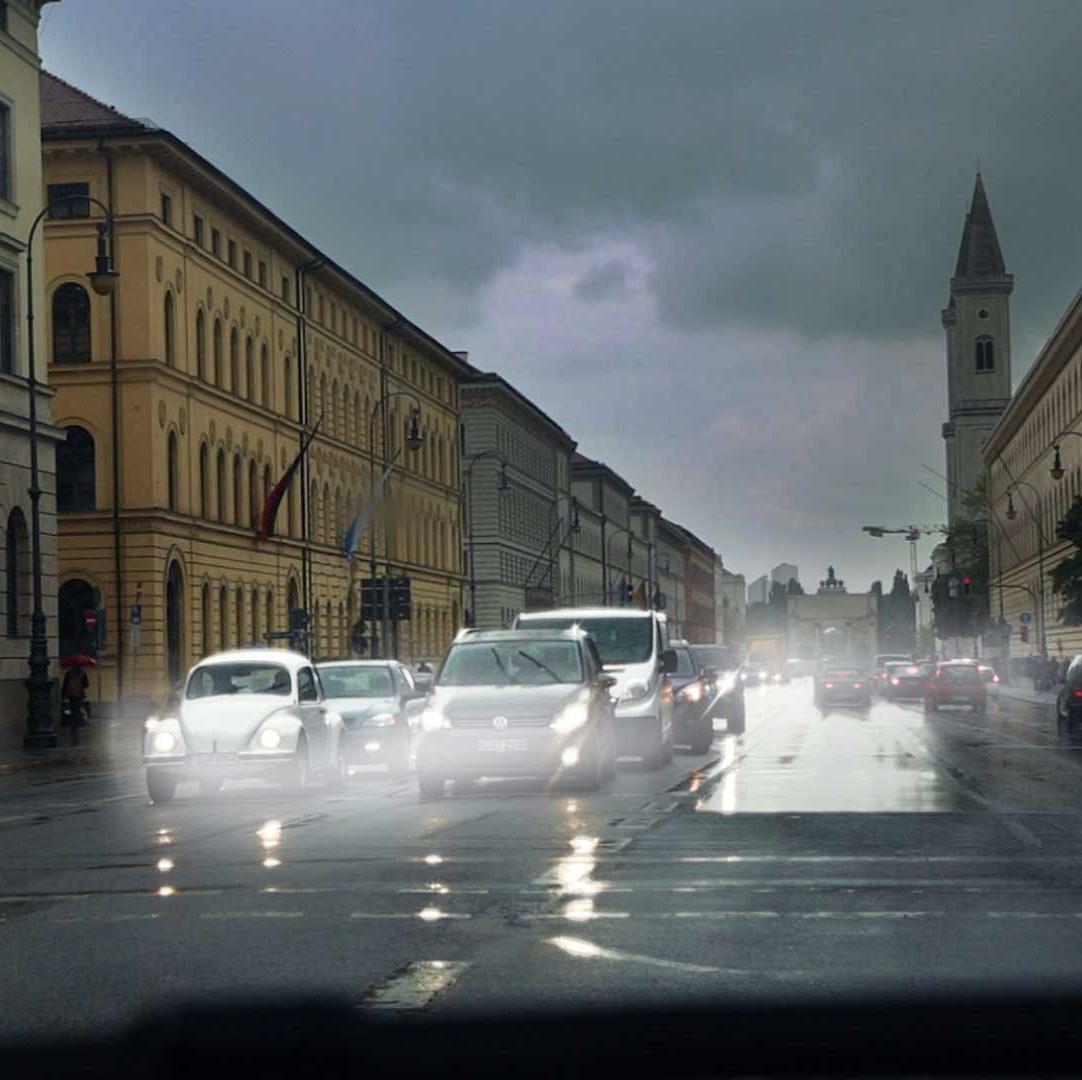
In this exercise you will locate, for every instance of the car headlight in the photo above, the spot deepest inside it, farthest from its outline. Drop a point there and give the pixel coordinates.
(383, 719)
(164, 742)
(571, 717)
(743, 676)
(270, 738)
(635, 691)
(692, 692)
(726, 683)
(433, 720)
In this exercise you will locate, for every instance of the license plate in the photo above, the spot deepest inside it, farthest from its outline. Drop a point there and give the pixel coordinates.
(501, 746)
(213, 759)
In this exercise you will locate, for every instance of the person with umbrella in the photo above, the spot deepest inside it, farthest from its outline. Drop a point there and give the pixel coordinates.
(73, 708)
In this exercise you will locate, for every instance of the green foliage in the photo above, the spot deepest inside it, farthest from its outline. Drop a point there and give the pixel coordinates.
(897, 617)
(967, 545)
(1067, 575)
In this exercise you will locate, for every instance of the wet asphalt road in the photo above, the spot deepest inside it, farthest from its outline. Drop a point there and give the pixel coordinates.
(815, 854)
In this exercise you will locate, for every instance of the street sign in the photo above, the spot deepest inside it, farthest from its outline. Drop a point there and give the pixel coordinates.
(136, 614)
(90, 620)
(1025, 617)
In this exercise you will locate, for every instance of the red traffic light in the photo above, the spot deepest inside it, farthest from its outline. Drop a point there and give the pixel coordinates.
(967, 581)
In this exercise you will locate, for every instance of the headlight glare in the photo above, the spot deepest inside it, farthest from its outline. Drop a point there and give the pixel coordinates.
(383, 719)
(164, 742)
(433, 720)
(571, 717)
(270, 738)
(692, 692)
(635, 691)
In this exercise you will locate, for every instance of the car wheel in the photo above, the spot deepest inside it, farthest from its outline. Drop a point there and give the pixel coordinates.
(210, 786)
(160, 787)
(703, 737)
(586, 776)
(430, 786)
(299, 776)
(735, 722)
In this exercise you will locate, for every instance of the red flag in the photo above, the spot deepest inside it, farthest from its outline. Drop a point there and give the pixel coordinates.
(277, 493)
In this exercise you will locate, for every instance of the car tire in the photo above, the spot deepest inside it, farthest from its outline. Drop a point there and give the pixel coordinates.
(160, 787)
(703, 738)
(586, 776)
(430, 786)
(299, 776)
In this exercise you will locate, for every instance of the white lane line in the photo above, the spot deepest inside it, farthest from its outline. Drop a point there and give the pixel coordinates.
(414, 986)
(252, 915)
(148, 916)
(582, 949)
(424, 915)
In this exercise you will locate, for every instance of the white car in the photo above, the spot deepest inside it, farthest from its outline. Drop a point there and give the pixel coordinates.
(245, 713)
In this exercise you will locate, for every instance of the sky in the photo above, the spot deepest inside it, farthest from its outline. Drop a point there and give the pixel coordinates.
(712, 239)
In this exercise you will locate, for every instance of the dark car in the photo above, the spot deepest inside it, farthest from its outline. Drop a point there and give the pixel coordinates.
(879, 667)
(728, 705)
(372, 697)
(904, 682)
(694, 694)
(842, 685)
(956, 682)
(510, 703)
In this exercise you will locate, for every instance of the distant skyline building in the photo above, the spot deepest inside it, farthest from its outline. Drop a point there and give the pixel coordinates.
(759, 590)
(785, 572)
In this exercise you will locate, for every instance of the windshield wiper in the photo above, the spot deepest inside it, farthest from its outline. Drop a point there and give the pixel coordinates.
(499, 663)
(543, 666)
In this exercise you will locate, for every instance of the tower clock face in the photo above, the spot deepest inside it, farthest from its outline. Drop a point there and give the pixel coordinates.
(982, 314)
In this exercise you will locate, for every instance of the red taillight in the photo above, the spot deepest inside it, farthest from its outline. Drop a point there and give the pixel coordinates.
(1076, 693)
(858, 686)
(830, 686)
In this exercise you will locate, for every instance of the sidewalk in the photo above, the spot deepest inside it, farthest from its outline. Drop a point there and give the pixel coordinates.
(1022, 693)
(107, 744)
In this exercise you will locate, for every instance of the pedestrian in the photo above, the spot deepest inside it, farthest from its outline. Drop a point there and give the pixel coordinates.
(73, 700)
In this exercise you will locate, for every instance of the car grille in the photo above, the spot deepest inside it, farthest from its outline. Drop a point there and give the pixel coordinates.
(484, 723)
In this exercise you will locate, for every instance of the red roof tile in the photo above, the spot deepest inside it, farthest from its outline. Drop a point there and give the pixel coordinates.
(62, 105)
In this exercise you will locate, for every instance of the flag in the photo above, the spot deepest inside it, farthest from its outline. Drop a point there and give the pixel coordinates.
(351, 539)
(277, 493)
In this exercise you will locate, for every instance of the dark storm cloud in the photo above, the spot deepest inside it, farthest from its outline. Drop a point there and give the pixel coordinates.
(605, 280)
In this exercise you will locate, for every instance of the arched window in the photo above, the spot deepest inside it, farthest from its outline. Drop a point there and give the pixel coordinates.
(249, 369)
(200, 345)
(223, 618)
(288, 387)
(986, 354)
(74, 599)
(253, 495)
(71, 324)
(234, 361)
(238, 628)
(359, 419)
(170, 330)
(221, 485)
(265, 377)
(75, 484)
(217, 351)
(322, 408)
(204, 481)
(173, 470)
(292, 597)
(205, 604)
(238, 501)
(16, 571)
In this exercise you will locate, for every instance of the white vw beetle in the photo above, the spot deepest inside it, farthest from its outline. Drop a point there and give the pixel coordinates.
(249, 712)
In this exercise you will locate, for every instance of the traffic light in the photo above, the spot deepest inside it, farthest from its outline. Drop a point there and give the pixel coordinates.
(359, 638)
(371, 599)
(399, 598)
(629, 592)
(967, 584)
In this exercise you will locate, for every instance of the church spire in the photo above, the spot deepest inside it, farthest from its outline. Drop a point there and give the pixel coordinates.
(979, 255)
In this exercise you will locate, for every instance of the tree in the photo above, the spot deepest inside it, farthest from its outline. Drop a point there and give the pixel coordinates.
(794, 588)
(960, 610)
(897, 617)
(1067, 575)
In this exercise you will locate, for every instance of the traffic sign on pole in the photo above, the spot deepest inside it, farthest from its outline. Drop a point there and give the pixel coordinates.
(90, 620)
(1025, 617)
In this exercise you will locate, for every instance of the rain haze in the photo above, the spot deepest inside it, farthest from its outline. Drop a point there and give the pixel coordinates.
(712, 239)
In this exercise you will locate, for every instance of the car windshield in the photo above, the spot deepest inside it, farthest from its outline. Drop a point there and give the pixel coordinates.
(357, 680)
(505, 663)
(619, 640)
(685, 662)
(963, 673)
(213, 680)
(712, 656)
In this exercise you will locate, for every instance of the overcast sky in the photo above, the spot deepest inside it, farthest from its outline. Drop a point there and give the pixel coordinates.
(712, 239)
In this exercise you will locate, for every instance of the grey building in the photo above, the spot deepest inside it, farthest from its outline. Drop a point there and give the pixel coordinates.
(978, 328)
(518, 505)
(785, 572)
(729, 596)
(759, 590)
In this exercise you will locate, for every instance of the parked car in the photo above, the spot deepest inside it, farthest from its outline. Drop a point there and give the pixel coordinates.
(694, 694)
(904, 681)
(842, 685)
(532, 702)
(728, 685)
(373, 698)
(1069, 701)
(633, 646)
(244, 713)
(879, 667)
(988, 674)
(956, 682)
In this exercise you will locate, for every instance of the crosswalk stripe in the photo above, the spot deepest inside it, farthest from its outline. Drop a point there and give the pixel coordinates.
(414, 986)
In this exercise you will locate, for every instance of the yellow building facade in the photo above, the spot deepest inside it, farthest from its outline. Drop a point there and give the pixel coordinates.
(185, 398)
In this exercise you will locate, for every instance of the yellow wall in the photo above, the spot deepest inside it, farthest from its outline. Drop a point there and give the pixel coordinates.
(158, 401)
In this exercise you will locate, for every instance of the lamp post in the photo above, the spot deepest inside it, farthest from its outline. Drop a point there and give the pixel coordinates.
(414, 441)
(40, 730)
(1057, 469)
(630, 538)
(504, 489)
(1038, 520)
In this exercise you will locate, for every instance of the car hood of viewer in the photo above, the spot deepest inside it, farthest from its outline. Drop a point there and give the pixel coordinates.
(227, 722)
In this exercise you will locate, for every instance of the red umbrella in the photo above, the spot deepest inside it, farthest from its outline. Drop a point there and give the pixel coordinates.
(78, 658)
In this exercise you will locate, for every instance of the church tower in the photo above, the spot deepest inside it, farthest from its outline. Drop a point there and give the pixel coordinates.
(978, 326)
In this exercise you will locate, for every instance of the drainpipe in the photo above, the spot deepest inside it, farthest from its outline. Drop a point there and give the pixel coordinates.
(114, 389)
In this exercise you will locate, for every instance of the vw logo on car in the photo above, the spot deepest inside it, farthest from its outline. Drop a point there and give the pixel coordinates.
(499, 723)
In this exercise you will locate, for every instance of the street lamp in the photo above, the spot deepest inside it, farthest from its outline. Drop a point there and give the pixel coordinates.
(1057, 470)
(415, 439)
(1038, 520)
(40, 730)
(630, 538)
(504, 488)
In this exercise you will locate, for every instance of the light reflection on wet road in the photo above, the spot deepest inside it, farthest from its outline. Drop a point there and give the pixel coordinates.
(818, 849)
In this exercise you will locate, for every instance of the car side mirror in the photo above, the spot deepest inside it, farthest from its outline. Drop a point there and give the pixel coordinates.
(710, 673)
(606, 682)
(668, 662)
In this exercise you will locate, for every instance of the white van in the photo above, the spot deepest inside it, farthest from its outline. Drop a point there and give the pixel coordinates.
(634, 649)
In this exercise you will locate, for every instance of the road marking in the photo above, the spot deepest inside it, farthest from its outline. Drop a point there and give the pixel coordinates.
(414, 986)
(580, 948)
(425, 915)
(252, 915)
(148, 916)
